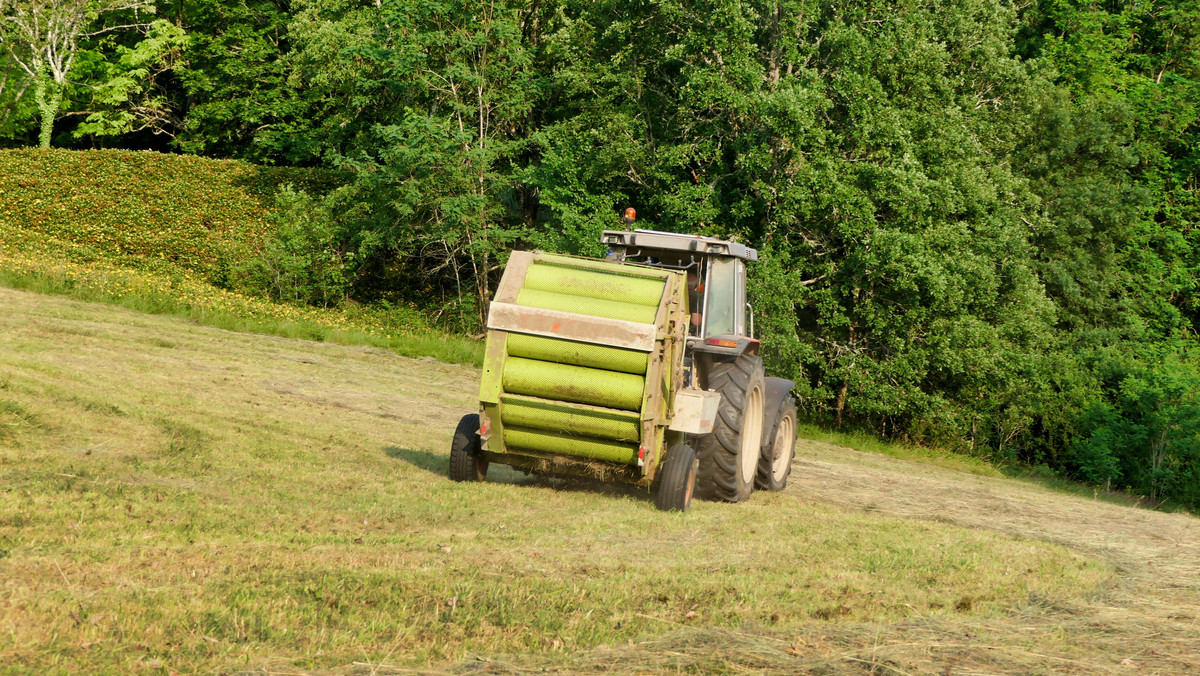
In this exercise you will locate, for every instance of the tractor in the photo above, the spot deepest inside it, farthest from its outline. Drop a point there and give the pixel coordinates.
(641, 367)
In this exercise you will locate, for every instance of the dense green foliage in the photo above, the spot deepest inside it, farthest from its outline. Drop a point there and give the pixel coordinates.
(977, 218)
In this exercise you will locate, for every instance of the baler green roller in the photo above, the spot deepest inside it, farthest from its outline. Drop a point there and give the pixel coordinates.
(595, 307)
(583, 358)
(559, 443)
(576, 353)
(557, 275)
(577, 420)
(561, 382)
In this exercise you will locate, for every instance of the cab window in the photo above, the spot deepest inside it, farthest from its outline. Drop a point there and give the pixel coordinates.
(720, 291)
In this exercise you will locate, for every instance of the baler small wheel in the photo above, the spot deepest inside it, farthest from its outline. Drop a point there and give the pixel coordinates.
(778, 449)
(729, 455)
(466, 461)
(678, 480)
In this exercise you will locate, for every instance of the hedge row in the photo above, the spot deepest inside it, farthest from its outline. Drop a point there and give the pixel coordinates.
(119, 225)
(199, 214)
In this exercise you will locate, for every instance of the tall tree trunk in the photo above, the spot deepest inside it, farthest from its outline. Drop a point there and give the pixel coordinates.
(1158, 452)
(47, 94)
(841, 402)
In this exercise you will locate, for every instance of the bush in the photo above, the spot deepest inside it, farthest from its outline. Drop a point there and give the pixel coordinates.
(1147, 434)
(303, 259)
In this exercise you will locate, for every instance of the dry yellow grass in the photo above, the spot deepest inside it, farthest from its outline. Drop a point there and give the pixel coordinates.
(180, 498)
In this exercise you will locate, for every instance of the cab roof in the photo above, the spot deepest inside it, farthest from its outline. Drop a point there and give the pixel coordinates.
(672, 241)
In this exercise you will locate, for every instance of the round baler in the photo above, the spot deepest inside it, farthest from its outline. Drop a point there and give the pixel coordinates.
(583, 359)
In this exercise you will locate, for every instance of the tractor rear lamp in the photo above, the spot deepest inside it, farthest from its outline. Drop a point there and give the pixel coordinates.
(722, 342)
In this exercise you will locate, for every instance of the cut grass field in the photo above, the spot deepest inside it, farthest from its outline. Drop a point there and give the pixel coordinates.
(176, 497)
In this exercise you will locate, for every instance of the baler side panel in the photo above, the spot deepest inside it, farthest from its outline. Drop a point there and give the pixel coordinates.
(661, 373)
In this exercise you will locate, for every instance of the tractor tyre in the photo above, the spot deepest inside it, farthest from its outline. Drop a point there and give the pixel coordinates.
(778, 448)
(729, 455)
(678, 479)
(466, 457)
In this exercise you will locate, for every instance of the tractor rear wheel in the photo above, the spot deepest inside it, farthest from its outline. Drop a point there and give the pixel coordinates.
(778, 448)
(678, 479)
(729, 456)
(466, 461)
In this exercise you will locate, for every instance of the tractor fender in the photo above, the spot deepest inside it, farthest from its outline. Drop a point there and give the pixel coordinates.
(735, 346)
(775, 392)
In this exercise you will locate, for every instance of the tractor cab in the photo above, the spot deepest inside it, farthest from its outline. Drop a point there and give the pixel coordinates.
(716, 277)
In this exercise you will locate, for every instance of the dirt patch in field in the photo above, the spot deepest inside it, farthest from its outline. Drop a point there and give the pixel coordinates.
(1148, 547)
(1147, 622)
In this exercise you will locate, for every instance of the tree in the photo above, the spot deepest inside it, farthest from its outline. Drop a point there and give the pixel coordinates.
(128, 96)
(235, 83)
(13, 87)
(426, 103)
(1148, 437)
(43, 37)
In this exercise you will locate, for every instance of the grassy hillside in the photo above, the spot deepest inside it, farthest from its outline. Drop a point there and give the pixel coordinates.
(177, 498)
(189, 213)
(167, 233)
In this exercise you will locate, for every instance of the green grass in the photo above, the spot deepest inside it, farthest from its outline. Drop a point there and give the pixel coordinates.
(199, 500)
(13, 417)
(869, 443)
(143, 208)
(302, 323)
(1045, 477)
